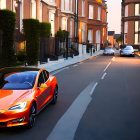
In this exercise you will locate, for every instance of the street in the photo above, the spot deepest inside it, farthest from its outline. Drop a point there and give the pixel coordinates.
(99, 99)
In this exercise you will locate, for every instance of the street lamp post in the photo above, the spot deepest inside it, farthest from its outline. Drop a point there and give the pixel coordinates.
(76, 23)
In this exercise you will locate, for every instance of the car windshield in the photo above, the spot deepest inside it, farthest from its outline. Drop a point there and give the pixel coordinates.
(18, 80)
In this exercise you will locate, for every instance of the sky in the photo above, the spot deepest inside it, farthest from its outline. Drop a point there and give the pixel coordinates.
(114, 15)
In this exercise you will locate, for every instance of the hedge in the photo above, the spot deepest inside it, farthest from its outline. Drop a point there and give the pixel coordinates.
(32, 33)
(45, 29)
(7, 26)
(62, 34)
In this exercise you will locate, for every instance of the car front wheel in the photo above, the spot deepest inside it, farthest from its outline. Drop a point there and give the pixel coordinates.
(32, 116)
(54, 100)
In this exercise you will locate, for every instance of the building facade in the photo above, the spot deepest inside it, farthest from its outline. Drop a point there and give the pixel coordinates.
(131, 23)
(92, 18)
(97, 22)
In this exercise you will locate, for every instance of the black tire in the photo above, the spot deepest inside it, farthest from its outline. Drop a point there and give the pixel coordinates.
(55, 95)
(32, 116)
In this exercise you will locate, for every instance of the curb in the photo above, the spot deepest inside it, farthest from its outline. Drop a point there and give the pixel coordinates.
(76, 63)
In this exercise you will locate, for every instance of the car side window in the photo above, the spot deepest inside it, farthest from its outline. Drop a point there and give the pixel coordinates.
(46, 75)
(40, 79)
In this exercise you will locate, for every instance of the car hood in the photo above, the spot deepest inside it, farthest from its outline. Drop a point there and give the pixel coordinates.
(9, 98)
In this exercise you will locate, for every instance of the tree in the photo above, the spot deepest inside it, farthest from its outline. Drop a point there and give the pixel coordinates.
(119, 40)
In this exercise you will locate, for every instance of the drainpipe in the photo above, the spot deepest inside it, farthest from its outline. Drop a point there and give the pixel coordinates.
(123, 15)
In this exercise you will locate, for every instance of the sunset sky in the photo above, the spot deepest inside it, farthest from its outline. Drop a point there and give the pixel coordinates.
(114, 15)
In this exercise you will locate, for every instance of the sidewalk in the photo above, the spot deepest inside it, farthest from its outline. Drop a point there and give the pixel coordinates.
(52, 66)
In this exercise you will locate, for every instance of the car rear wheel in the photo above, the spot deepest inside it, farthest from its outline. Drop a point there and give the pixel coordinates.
(54, 100)
(32, 116)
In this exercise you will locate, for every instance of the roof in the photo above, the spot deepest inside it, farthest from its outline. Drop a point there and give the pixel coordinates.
(116, 36)
(111, 33)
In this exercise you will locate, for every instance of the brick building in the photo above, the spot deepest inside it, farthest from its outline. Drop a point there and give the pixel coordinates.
(111, 35)
(97, 22)
(92, 17)
(131, 22)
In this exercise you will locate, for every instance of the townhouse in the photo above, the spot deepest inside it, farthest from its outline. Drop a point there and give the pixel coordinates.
(92, 18)
(131, 23)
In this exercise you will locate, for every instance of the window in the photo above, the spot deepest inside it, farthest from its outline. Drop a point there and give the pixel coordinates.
(126, 27)
(136, 32)
(137, 10)
(83, 8)
(90, 36)
(64, 23)
(40, 6)
(66, 5)
(83, 32)
(126, 11)
(99, 13)
(2, 4)
(34, 9)
(52, 20)
(21, 15)
(91, 12)
(46, 75)
(14, 6)
(18, 80)
(40, 79)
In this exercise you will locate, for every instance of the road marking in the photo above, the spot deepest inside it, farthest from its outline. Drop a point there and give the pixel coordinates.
(53, 73)
(75, 65)
(103, 75)
(107, 66)
(113, 59)
(67, 125)
(92, 91)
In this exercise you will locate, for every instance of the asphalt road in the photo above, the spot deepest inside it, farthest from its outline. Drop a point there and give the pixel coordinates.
(99, 99)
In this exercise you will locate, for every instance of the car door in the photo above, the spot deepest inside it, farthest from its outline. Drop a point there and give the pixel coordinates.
(43, 92)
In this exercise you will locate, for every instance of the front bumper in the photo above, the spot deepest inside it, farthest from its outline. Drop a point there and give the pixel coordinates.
(14, 118)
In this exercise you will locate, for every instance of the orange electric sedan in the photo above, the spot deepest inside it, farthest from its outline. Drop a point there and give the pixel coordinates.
(24, 92)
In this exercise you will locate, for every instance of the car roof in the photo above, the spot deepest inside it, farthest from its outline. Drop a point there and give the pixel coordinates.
(17, 69)
(129, 47)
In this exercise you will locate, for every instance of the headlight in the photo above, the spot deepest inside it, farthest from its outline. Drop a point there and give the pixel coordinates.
(18, 107)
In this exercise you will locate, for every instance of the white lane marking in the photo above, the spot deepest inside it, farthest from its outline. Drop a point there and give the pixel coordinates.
(107, 66)
(75, 65)
(113, 59)
(53, 73)
(67, 125)
(93, 89)
(103, 75)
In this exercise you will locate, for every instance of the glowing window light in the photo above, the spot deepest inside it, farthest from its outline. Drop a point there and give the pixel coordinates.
(2, 4)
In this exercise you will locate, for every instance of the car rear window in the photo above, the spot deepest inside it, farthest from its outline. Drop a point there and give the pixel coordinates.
(128, 48)
(18, 80)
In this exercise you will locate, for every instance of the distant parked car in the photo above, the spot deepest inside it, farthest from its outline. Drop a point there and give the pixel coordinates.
(127, 51)
(108, 51)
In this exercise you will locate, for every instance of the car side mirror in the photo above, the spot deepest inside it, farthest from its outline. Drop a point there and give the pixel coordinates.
(43, 86)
